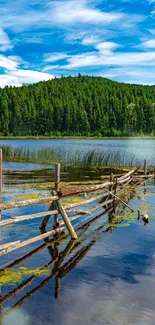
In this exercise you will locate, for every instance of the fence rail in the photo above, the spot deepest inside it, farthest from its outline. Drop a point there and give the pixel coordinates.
(111, 195)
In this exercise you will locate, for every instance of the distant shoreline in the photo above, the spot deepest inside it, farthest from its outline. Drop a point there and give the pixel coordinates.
(75, 137)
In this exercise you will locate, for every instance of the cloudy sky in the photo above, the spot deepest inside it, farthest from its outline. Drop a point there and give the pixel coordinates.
(109, 38)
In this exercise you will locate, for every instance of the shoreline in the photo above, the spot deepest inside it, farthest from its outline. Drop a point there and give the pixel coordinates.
(75, 137)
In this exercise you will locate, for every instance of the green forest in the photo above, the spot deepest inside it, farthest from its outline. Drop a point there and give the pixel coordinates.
(77, 106)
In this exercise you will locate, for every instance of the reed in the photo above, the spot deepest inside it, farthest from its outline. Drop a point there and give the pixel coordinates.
(51, 155)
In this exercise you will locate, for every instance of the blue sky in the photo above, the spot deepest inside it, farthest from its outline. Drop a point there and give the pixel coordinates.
(110, 38)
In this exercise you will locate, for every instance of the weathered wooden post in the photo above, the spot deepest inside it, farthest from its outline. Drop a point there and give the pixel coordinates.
(145, 167)
(115, 192)
(57, 183)
(66, 221)
(111, 180)
(61, 209)
(57, 177)
(53, 204)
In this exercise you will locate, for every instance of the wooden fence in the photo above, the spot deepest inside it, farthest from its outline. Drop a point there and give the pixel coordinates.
(109, 195)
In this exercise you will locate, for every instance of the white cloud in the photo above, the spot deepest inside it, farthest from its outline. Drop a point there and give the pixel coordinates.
(18, 77)
(95, 59)
(131, 75)
(53, 57)
(63, 13)
(90, 40)
(78, 11)
(5, 43)
(107, 48)
(50, 67)
(149, 44)
(10, 62)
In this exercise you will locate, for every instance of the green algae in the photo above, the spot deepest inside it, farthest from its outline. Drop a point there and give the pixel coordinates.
(12, 276)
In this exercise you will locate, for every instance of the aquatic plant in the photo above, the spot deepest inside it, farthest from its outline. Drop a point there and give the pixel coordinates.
(12, 276)
(51, 155)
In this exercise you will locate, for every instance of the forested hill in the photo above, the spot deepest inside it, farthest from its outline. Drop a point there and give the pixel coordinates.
(77, 106)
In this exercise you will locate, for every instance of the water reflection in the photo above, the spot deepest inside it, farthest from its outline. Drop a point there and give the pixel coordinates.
(104, 278)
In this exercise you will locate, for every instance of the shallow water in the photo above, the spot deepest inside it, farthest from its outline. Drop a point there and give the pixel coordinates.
(136, 150)
(108, 278)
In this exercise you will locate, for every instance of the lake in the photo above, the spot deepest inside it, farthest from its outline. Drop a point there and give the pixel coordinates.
(108, 278)
(118, 151)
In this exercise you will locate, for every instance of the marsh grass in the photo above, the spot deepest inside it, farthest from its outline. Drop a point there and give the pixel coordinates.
(49, 155)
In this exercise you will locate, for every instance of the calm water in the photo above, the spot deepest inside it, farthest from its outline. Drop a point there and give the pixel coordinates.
(137, 149)
(107, 278)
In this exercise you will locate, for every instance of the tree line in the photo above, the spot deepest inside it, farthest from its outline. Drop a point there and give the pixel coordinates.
(80, 106)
